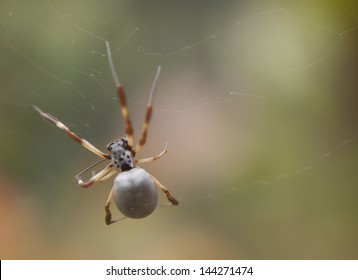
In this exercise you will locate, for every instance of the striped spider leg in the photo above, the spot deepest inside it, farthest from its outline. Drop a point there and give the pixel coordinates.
(85, 144)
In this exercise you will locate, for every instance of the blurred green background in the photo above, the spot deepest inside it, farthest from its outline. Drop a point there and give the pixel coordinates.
(258, 103)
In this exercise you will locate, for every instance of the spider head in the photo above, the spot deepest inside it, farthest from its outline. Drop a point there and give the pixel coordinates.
(121, 154)
(122, 142)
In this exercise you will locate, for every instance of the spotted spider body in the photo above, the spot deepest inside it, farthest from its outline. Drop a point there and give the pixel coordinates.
(121, 154)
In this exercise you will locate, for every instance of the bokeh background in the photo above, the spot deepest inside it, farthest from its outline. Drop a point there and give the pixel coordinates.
(258, 103)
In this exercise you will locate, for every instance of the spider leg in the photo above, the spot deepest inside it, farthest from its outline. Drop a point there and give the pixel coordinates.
(164, 190)
(98, 178)
(75, 137)
(148, 113)
(150, 159)
(104, 178)
(108, 217)
(122, 98)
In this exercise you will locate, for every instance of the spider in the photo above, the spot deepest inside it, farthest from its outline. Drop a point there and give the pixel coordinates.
(134, 190)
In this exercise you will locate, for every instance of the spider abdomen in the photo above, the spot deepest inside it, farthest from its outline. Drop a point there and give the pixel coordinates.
(135, 193)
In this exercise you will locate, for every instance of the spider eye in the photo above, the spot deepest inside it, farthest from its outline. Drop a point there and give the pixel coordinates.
(124, 143)
(109, 146)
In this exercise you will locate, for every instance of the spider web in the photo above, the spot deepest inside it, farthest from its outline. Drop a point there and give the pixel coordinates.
(252, 98)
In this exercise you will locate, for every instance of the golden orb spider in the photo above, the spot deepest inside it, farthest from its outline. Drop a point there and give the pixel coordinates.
(134, 190)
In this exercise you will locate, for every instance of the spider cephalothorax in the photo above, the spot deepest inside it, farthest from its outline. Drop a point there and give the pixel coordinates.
(121, 154)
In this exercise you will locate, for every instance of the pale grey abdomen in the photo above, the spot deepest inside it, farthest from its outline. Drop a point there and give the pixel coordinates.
(135, 193)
